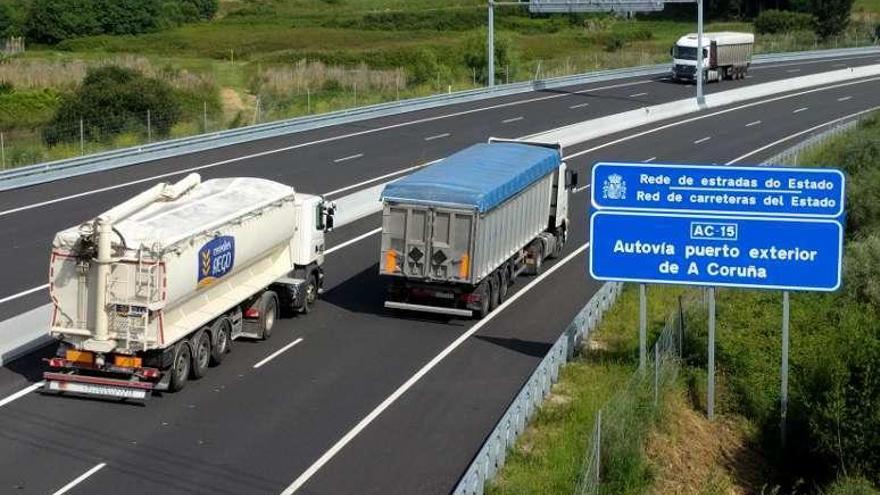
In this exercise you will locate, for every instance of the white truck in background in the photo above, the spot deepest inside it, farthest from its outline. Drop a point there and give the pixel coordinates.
(153, 291)
(726, 55)
(456, 235)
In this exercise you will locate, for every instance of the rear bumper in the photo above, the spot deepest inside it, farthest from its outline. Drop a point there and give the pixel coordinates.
(96, 386)
(423, 308)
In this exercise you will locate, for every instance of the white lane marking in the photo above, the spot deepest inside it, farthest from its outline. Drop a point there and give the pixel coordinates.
(713, 114)
(21, 393)
(792, 71)
(514, 119)
(381, 177)
(312, 143)
(347, 158)
(579, 189)
(845, 98)
(702, 140)
(649, 160)
(391, 399)
(750, 124)
(352, 241)
(23, 293)
(637, 95)
(438, 136)
(277, 353)
(66, 488)
(579, 105)
(799, 110)
(801, 133)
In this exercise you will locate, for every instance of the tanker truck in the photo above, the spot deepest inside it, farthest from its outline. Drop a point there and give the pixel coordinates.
(725, 56)
(457, 234)
(152, 292)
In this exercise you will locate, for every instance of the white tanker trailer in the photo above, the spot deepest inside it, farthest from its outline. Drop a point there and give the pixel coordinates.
(154, 290)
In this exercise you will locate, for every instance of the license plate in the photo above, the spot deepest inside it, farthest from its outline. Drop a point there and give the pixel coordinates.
(102, 390)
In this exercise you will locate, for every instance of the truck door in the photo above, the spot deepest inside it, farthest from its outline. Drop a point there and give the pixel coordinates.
(450, 244)
(412, 242)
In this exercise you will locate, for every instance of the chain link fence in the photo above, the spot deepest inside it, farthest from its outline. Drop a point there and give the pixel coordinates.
(619, 427)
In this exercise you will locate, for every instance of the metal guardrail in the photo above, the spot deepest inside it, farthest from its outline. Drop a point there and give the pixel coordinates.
(35, 174)
(791, 156)
(494, 451)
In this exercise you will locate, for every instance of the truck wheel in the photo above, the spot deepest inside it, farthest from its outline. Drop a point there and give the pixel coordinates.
(222, 340)
(494, 290)
(503, 284)
(484, 302)
(201, 346)
(538, 254)
(311, 295)
(268, 313)
(180, 366)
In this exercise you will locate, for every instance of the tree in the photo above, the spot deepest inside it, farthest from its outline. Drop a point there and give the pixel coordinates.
(5, 21)
(832, 16)
(113, 100)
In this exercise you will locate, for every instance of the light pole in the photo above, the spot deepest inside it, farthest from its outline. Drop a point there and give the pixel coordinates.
(490, 44)
(700, 99)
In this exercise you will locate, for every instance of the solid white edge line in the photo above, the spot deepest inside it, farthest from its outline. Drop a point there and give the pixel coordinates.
(23, 293)
(352, 241)
(277, 353)
(80, 479)
(391, 399)
(800, 133)
(21, 393)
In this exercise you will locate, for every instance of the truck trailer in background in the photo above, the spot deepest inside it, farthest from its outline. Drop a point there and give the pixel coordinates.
(153, 291)
(457, 234)
(725, 56)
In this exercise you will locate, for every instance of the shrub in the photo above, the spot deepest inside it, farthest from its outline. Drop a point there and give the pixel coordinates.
(862, 271)
(5, 21)
(853, 486)
(475, 54)
(832, 16)
(111, 101)
(614, 43)
(781, 21)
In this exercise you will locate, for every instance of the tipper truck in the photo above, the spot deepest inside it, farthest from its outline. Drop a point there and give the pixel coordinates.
(151, 292)
(455, 235)
(725, 56)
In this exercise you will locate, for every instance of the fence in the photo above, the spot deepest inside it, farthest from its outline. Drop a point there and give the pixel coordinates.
(491, 457)
(791, 156)
(12, 46)
(617, 423)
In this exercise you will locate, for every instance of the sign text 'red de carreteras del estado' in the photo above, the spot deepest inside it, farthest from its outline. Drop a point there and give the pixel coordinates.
(760, 227)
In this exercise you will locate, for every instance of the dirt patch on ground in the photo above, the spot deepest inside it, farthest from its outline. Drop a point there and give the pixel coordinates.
(692, 456)
(234, 104)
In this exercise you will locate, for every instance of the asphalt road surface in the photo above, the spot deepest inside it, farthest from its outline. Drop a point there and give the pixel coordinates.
(352, 408)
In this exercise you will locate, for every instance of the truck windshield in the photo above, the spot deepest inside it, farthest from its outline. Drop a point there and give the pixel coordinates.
(687, 52)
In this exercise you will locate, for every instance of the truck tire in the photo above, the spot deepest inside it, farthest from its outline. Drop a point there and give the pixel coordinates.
(180, 366)
(538, 254)
(201, 353)
(311, 295)
(268, 314)
(483, 290)
(494, 289)
(222, 334)
(503, 283)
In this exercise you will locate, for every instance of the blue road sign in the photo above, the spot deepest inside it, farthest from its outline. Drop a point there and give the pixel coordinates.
(719, 189)
(756, 252)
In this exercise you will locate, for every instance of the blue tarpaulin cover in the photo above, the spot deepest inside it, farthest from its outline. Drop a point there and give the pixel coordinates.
(482, 176)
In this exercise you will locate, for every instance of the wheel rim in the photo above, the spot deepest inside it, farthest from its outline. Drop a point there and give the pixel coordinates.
(222, 341)
(310, 293)
(182, 366)
(270, 316)
(204, 351)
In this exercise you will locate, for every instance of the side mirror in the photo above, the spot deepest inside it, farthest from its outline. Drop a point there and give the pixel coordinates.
(328, 221)
(571, 179)
(672, 51)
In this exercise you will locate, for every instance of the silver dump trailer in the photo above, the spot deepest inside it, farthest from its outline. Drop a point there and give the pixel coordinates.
(153, 291)
(725, 56)
(455, 235)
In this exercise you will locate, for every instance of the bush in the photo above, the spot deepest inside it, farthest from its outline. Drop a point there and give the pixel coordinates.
(112, 101)
(832, 16)
(862, 271)
(5, 21)
(853, 486)
(475, 54)
(781, 21)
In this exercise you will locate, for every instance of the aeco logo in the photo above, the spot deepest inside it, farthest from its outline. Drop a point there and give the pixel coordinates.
(216, 258)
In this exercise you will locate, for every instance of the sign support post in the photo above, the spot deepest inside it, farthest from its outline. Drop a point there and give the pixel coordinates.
(700, 99)
(490, 45)
(710, 386)
(643, 326)
(783, 399)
